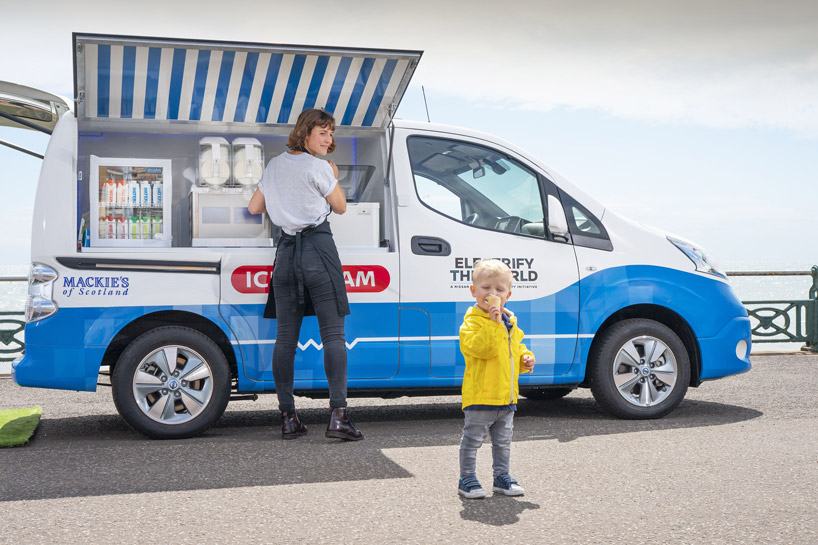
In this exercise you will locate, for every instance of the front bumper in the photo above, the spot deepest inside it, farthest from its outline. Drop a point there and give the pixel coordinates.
(727, 352)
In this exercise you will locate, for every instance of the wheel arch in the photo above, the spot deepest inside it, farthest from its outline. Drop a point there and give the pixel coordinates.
(161, 318)
(664, 316)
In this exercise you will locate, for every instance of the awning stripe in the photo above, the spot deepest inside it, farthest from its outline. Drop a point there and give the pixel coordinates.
(191, 81)
(269, 87)
(380, 90)
(224, 82)
(292, 86)
(177, 73)
(248, 75)
(115, 91)
(128, 66)
(199, 84)
(103, 79)
(357, 90)
(152, 83)
(315, 83)
(338, 84)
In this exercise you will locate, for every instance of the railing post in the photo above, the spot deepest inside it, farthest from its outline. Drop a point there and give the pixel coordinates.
(812, 315)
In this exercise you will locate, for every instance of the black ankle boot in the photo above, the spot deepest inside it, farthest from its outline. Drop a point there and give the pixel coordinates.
(291, 426)
(340, 427)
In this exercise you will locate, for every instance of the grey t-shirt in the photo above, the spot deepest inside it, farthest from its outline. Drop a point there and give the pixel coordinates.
(295, 189)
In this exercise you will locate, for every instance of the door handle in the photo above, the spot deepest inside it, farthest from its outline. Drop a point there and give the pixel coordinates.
(430, 246)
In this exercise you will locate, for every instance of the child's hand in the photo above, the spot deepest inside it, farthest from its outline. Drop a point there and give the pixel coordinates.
(528, 363)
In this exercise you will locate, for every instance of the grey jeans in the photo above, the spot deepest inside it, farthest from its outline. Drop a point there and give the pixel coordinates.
(290, 313)
(500, 424)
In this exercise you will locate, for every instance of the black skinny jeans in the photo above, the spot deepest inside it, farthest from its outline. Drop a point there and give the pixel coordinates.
(289, 314)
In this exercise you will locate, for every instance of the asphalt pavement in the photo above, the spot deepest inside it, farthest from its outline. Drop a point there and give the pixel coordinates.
(737, 462)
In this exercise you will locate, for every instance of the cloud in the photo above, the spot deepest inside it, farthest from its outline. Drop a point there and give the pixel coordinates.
(732, 63)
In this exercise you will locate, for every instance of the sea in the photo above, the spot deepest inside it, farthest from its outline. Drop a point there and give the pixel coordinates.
(750, 288)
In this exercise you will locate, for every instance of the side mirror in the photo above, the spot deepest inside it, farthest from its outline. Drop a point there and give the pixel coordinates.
(557, 223)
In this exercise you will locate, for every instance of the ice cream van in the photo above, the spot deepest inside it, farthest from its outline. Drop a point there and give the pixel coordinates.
(147, 267)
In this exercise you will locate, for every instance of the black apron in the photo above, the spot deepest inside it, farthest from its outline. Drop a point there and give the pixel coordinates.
(321, 239)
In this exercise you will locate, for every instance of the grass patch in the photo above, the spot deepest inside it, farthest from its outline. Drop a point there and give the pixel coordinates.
(18, 425)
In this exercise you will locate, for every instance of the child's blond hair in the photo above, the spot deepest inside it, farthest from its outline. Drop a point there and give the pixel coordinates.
(491, 268)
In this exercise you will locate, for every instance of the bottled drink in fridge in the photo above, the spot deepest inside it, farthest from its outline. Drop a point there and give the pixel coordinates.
(144, 227)
(156, 227)
(133, 227)
(133, 194)
(110, 228)
(109, 193)
(156, 194)
(122, 193)
(145, 194)
(121, 228)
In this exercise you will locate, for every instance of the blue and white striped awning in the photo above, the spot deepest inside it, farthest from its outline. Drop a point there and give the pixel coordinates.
(121, 77)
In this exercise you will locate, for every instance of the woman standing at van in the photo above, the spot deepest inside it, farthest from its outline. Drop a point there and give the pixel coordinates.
(299, 191)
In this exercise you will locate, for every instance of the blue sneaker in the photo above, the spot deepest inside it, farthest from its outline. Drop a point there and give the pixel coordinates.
(470, 488)
(507, 485)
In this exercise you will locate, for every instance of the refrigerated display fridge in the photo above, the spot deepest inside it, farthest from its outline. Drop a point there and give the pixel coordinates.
(130, 202)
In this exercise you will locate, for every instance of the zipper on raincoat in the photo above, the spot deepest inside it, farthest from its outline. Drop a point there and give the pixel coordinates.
(511, 363)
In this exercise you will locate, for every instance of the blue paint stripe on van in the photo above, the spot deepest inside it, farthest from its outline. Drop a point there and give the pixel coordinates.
(292, 87)
(269, 87)
(358, 90)
(103, 79)
(128, 71)
(380, 90)
(177, 72)
(338, 84)
(199, 82)
(246, 86)
(152, 82)
(315, 82)
(223, 86)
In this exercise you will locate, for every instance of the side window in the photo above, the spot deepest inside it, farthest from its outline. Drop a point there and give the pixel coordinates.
(476, 185)
(438, 197)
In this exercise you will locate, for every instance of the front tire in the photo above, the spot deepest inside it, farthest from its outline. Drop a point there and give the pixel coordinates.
(171, 383)
(639, 369)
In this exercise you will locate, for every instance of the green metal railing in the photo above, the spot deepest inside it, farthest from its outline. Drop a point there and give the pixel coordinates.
(775, 321)
(11, 329)
(785, 321)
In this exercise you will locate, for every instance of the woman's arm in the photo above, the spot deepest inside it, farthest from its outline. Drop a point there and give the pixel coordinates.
(257, 204)
(337, 200)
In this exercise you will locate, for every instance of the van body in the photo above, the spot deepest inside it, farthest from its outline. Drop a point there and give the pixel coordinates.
(171, 307)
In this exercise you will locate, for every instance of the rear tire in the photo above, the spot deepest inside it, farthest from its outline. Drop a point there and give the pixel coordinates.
(171, 383)
(639, 369)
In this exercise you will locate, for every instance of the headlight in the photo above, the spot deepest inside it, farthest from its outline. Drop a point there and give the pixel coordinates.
(39, 304)
(703, 262)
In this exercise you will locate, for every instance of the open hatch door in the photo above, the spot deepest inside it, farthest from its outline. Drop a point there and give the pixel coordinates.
(137, 79)
(24, 107)
(28, 108)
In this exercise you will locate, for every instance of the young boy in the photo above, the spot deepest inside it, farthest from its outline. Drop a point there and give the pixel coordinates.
(492, 346)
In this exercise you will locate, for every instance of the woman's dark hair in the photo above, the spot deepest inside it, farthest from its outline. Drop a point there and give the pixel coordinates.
(307, 121)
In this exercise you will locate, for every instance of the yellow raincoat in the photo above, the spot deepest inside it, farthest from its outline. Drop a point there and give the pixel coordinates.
(494, 359)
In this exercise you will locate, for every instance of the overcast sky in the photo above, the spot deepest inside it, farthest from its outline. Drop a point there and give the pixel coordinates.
(698, 117)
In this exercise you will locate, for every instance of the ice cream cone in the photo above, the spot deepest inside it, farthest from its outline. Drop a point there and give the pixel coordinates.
(494, 301)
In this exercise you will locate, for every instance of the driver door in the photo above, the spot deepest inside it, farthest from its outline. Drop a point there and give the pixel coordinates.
(470, 201)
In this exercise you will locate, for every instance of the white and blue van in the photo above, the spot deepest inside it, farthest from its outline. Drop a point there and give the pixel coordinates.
(164, 291)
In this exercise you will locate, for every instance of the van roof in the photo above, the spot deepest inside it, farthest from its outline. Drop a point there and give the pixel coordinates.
(149, 80)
